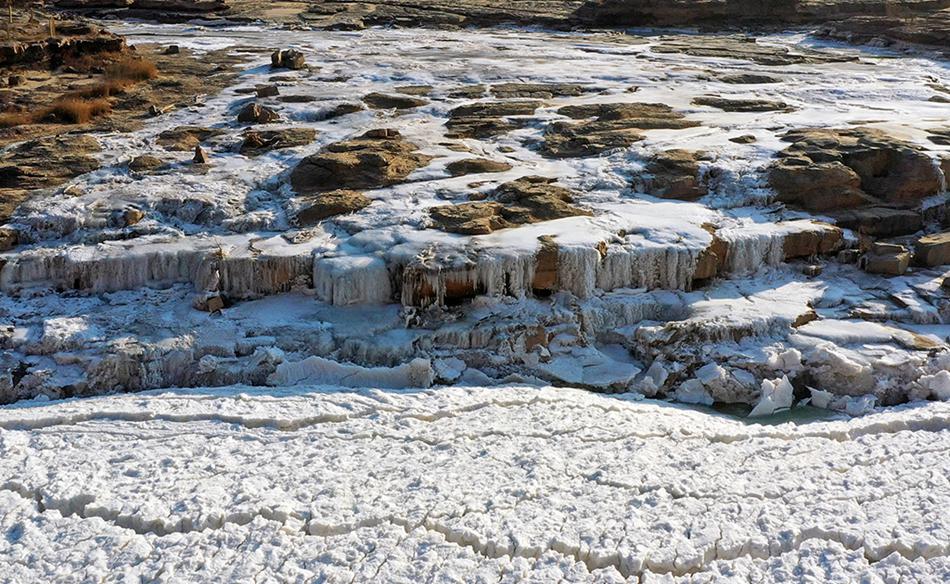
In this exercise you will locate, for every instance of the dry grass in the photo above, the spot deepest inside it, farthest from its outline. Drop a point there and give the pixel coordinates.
(130, 69)
(105, 89)
(73, 110)
(14, 119)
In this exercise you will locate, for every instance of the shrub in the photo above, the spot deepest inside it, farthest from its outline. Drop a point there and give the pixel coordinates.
(129, 69)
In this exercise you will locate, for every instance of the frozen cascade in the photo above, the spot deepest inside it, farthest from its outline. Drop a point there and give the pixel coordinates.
(352, 280)
(664, 267)
(750, 249)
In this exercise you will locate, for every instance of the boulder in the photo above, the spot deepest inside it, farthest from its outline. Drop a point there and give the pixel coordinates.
(267, 91)
(201, 157)
(288, 59)
(145, 163)
(259, 142)
(255, 113)
(377, 159)
(887, 259)
(821, 239)
(476, 166)
(325, 205)
(833, 169)
(744, 139)
(933, 250)
(526, 200)
(880, 221)
(389, 101)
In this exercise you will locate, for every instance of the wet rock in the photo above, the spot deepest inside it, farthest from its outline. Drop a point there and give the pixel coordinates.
(476, 166)
(184, 138)
(288, 59)
(388, 101)
(267, 91)
(341, 110)
(376, 159)
(330, 204)
(742, 105)
(675, 174)
(486, 119)
(526, 200)
(933, 250)
(201, 157)
(887, 259)
(835, 169)
(259, 142)
(255, 113)
(145, 163)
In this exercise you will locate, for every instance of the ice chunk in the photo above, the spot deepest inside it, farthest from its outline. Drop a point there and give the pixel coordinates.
(938, 384)
(317, 370)
(777, 395)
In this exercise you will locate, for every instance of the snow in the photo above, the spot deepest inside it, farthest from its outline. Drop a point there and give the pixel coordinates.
(464, 484)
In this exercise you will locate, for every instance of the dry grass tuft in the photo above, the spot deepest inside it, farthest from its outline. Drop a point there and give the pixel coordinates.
(105, 89)
(130, 69)
(72, 110)
(14, 119)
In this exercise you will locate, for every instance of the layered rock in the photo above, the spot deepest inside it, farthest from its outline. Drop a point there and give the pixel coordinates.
(491, 118)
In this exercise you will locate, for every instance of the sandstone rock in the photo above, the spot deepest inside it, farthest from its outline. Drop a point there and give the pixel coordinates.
(743, 48)
(742, 105)
(330, 204)
(880, 221)
(254, 113)
(887, 259)
(526, 200)
(744, 139)
(376, 159)
(546, 267)
(675, 174)
(387, 101)
(259, 142)
(47, 162)
(486, 119)
(341, 110)
(749, 79)
(538, 90)
(145, 163)
(185, 138)
(712, 259)
(476, 166)
(420, 90)
(288, 59)
(615, 125)
(933, 250)
(822, 239)
(267, 91)
(833, 169)
(927, 27)
(201, 157)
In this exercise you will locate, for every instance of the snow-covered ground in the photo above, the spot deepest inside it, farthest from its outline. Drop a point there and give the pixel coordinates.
(517, 484)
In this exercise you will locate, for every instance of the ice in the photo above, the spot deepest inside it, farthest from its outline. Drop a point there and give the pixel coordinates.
(317, 370)
(777, 395)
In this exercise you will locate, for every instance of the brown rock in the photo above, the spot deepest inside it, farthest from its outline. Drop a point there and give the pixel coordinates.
(545, 267)
(817, 186)
(749, 79)
(823, 239)
(267, 91)
(185, 138)
(538, 90)
(145, 163)
(675, 174)
(201, 157)
(526, 200)
(880, 221)
(744, 139)
(259, 142)
(476, 166)
(486, 119)
(254, 113)
(421, 90)
(399, 102)
(933, 250)
(742, 105)
(713, 258)
(288, 59)
(887, 259)
(9, 238)
(331, 204)
(378, 158)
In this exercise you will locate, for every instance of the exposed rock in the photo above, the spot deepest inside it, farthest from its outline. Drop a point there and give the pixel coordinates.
(526, 200)
(420, 90)
(615, 125)
(486, 119)
(82, 41)
(743, 48)
(267, 91)
(939, 136)
(376, 159)
(185, 138)
(172, 50)
(388, 101)
(749, 79)
(255, 113)
(933, 250)
(880, 221)
(342, 109)
(354, 15)
(887, 259)
(288, 59)
(330, 204)
(476, 166)
(259, 142)
(538, 90)
(9, 238)
(145, 163)
(927, 27)
(201, 157)
(675, 174)
(822, 239)
(744, 139)
(742, 105)
(834, 169)
(546, 267)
